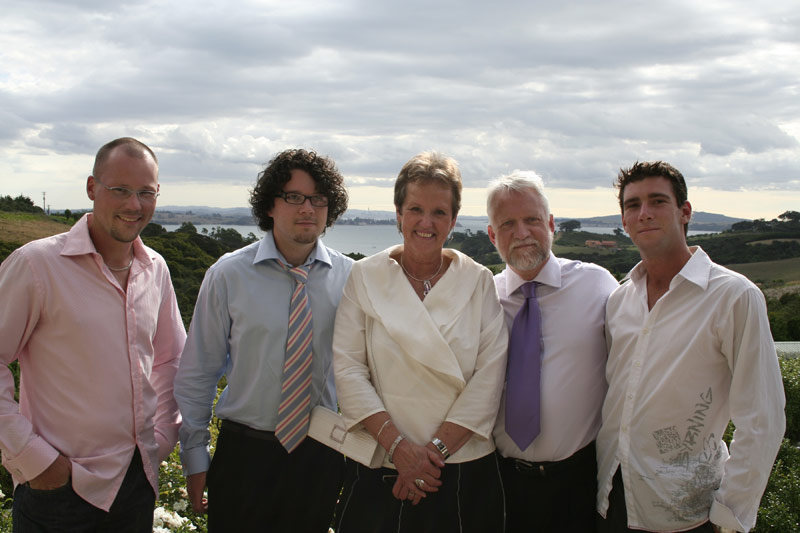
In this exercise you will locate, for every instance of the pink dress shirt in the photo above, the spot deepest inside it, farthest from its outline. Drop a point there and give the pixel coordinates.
(97, 363)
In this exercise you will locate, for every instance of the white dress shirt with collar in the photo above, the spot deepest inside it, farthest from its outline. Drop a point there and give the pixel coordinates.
(677, 373)
(572, 297)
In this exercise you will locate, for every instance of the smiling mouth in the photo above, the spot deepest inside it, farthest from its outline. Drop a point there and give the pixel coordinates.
(129, 219)
(424, 235)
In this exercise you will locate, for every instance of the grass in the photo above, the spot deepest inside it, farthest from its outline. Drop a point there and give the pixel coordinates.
(25, 227)
(782, 271)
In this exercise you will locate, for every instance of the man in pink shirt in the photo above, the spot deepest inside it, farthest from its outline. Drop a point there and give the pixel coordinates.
(91, 316)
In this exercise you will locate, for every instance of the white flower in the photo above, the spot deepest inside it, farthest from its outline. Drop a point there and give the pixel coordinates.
(169, 519)
(2, 495)
(180, 506)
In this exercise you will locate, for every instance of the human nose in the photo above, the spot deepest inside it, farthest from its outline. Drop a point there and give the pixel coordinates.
(520, 231)
(307, 206)
(133, 200)
(644, 212)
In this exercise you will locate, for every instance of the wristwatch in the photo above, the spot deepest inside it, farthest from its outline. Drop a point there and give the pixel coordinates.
(441, 447)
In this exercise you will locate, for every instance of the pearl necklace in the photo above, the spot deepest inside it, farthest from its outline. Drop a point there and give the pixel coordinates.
(426, 283)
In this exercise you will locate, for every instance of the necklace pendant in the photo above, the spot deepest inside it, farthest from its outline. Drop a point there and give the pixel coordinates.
(426, 287)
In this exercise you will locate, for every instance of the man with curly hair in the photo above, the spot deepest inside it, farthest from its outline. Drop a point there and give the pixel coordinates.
(265, 472)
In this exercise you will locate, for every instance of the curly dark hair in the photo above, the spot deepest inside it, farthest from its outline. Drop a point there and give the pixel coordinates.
(279, 171)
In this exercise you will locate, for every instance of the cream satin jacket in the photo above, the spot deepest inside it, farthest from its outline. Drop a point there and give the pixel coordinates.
(423, 361)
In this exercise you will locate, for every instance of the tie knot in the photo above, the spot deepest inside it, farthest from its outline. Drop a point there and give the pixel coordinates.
(299, 273)
(529, 289)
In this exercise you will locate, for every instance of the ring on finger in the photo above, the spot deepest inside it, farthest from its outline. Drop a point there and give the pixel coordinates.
(419, 482)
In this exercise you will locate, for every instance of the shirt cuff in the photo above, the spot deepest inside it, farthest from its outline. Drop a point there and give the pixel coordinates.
(195, 460)
(32, 461)
(724, 517)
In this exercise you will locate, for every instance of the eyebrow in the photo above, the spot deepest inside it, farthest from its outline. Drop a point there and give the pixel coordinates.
(649, 196)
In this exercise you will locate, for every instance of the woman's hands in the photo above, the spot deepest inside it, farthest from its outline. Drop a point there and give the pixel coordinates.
(418, 471)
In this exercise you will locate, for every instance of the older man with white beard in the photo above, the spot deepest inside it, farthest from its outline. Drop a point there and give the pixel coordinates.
(550, 411)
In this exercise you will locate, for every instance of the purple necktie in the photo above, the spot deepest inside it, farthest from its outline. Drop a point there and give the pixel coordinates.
(524, 370)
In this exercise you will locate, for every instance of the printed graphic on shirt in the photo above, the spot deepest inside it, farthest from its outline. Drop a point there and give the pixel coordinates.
(689, 470)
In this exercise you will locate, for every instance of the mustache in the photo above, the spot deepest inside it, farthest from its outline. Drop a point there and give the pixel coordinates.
(525, 242)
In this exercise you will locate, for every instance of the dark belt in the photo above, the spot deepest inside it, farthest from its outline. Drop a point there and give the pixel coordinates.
(585, 455)
(247, 431)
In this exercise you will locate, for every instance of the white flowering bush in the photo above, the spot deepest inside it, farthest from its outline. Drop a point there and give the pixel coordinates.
(5, 511)
(173, 511)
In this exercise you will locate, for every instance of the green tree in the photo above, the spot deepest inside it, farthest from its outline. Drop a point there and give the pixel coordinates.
(569, 225)
(21, 204)
(187, 227)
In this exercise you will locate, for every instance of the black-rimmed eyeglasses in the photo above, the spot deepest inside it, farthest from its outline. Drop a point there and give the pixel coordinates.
(295, 198)
(121, 193)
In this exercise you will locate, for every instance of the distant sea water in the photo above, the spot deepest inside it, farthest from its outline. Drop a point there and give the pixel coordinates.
(370, 239)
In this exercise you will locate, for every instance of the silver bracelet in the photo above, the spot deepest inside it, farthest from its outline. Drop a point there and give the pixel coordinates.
(441, 446)
(393, 447)
(383, 426)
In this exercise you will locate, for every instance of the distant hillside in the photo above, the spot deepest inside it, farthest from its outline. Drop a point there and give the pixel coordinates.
(701, 221)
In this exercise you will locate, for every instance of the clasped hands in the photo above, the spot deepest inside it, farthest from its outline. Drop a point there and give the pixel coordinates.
(415, 462)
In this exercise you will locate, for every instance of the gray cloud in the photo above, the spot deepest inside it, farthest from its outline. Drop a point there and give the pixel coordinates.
(574, 90)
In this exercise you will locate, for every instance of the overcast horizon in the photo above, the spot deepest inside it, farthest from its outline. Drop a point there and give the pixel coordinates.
(572, 90)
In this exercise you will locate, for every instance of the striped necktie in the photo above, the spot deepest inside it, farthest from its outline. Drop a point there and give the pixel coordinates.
(295, 405)
(524, 371)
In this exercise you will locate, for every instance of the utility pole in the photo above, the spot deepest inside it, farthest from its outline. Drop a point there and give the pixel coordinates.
(44, 202)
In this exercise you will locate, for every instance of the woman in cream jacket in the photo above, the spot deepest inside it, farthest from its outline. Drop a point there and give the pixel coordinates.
(419, 357)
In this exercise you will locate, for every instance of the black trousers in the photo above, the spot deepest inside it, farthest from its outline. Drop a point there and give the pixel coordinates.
(255, 485)
(557, 497)
(61, 509)
(616, 519)
(470, 499)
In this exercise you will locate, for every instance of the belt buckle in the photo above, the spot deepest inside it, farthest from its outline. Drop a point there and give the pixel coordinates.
(529, 467)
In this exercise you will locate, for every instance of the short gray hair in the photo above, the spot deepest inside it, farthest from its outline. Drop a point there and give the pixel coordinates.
(519, 180)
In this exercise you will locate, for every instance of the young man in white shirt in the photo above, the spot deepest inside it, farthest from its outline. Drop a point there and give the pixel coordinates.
(690, 349)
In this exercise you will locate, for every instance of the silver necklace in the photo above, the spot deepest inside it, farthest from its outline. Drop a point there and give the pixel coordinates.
(426, 283)
(121, 269)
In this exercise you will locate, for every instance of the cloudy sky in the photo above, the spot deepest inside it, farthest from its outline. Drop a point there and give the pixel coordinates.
(572, 90)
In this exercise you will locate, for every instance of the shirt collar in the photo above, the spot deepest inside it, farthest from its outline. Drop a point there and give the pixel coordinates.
(549, 275)
(697, 270)
(267, 249)
(79, 242)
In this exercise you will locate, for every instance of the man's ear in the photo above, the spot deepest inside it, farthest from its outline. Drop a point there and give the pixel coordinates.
(90, 187)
